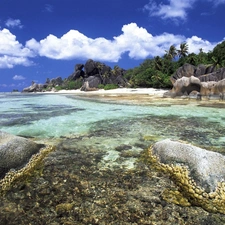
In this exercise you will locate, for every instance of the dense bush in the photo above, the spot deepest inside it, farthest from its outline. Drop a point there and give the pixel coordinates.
(70, 85)
(110, 86)
(156, 72)
(101, 86)
(107, 86)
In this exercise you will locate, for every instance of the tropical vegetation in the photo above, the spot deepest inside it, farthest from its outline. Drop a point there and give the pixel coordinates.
(156, 72)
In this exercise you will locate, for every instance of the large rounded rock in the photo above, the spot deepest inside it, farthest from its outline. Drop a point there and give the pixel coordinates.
(91, 83)
(219, 87)
(186, 85)
(187, 70)
(15, 151)
(206, 168)
(90, 68)
(208, 88)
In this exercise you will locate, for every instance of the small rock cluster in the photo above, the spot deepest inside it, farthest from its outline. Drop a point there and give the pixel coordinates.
(91, 75)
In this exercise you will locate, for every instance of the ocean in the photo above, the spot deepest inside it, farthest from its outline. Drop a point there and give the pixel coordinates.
(94, 176)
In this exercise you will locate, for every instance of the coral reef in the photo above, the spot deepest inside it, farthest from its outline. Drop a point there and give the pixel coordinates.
(187, 187)
(23, 174)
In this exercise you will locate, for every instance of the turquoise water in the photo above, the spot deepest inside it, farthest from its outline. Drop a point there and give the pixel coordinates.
(46, 116)
(94, 175)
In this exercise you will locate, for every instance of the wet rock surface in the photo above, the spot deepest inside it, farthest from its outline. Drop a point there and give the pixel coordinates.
(15, 151)
(98, 178)
(206, 167)
(75, 189)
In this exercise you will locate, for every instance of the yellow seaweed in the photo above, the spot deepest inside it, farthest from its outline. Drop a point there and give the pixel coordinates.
(195, 195)
(14, 176)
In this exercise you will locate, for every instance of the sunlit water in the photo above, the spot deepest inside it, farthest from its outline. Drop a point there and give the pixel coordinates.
(98, 145)
(53, 116)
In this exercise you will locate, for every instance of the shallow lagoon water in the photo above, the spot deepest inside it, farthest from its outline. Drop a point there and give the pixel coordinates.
(53, 116)
(94, 176)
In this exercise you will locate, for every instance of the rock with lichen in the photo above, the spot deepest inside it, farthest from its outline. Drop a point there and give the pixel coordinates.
(206, 168)
(15, 151)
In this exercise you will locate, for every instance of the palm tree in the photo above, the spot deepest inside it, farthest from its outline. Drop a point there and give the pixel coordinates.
(183, 51)
(200, 50)
(158, 63)
(217, 63)
(171, 53)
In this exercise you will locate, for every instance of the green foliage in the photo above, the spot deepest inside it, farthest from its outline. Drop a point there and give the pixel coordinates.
(58, 88)
(107, 86)
(156, 72)
(101, 86)
(71, 85)
(110, 86)
(183, 51)
(171, 53)
(152, 73)
(218, 55)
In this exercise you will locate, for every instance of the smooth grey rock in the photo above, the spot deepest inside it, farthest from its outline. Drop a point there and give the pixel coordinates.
(186, 85)
(187, 70)
(207, 168)
(15, 151)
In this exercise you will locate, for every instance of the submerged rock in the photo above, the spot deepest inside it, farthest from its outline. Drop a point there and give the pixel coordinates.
(206, 168)
(15, 151)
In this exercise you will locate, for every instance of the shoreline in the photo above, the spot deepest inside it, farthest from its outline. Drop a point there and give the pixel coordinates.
(118, 91)
(139, 96)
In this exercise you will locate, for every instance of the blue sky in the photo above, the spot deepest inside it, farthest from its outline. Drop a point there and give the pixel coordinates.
(42, 39)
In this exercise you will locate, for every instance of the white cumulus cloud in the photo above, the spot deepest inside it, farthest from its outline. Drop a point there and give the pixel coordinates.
(137, 41)
(18, 77)
(12, 52)
(11, 61)
(134, 40)
(72, 45)
(196, 43)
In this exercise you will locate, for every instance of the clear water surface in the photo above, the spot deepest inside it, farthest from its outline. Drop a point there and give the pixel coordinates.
(46, 116)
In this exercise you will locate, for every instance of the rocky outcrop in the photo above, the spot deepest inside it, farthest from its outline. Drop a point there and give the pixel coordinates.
(213, 76)
(187, 70)
(91, 83)
(15, 151)
(35, 87)
(206, 168)
(91, 74)
(219, 88)
(77, 73)
(56, 81)
(185, 85)
(205, 80)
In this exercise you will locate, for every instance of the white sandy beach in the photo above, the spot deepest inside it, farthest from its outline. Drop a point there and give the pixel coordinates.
(115, 92)
(119, 95)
